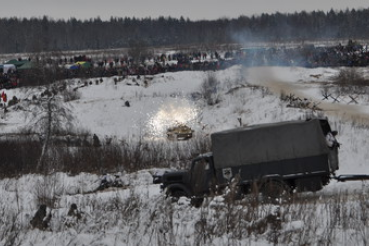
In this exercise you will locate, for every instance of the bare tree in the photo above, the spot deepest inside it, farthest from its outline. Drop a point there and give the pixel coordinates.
(49, 120)
(209, 89)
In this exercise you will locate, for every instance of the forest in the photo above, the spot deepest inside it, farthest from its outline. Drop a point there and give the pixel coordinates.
(19, 35)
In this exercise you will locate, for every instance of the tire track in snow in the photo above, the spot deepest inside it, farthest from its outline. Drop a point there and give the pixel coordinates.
(268, 77)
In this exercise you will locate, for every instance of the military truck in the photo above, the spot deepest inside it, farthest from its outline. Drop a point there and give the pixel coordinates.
(272, 159)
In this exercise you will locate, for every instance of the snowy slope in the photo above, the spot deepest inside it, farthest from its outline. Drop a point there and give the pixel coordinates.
(138, 214)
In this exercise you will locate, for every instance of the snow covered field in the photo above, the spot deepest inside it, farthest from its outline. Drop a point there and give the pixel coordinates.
(138, 213)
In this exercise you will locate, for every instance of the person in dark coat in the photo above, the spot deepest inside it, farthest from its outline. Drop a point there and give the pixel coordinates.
(41, 219)
(96, 141)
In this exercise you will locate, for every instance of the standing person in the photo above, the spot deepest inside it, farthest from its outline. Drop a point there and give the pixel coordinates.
(5, 99)
(333, 146)
(331, 139)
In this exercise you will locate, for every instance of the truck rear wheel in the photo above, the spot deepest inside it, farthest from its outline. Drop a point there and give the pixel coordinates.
(311, 183)
(275, 191)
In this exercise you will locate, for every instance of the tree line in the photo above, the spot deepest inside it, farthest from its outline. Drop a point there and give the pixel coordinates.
(47, 34)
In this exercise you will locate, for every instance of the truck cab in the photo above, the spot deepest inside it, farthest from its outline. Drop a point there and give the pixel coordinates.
(197, 181)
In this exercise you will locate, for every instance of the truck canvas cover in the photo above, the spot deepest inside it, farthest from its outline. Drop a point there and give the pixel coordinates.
(268, 142)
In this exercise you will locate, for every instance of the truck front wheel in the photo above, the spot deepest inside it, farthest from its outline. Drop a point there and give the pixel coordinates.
(175, 194)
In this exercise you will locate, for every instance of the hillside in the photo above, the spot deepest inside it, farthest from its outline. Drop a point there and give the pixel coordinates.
(138, 213)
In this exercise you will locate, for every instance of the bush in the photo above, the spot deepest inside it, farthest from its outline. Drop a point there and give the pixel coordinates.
(349, 80)
(13, 101)
(20, 156)
(70, 95)
(209, 89)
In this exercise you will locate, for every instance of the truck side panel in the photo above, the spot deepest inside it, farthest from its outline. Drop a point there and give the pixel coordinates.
(292, 169)
(268, 143)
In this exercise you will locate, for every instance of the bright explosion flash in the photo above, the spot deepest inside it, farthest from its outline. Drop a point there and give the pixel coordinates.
(171, 114)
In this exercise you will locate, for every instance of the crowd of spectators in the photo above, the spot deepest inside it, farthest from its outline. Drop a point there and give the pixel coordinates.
(149, 65)
(351, 54)
(8, 80)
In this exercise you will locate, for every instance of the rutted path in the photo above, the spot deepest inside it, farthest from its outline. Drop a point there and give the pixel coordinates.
(287, 84)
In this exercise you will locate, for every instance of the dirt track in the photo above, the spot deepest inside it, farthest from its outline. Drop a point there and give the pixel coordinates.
(267, 77)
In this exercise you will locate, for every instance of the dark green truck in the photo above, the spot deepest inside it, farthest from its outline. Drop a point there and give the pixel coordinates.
(269, 158)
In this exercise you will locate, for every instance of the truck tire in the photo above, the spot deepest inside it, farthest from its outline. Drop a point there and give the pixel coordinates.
(275, 191)
(175, 194)
(311, 184)
(197, 201)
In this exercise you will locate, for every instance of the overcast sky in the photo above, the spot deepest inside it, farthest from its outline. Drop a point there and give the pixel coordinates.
(193, 9)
